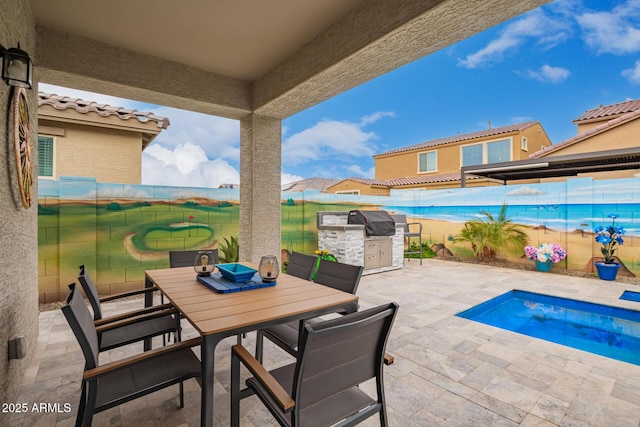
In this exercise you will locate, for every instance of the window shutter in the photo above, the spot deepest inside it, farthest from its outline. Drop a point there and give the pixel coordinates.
(45, 156)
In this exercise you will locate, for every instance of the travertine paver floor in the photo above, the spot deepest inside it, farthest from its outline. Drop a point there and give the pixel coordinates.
(448, 371)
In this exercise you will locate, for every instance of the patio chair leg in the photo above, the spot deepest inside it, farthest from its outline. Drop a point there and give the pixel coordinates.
(81, 405)
(181, 395)
(235, 390)
(90, 407)
(259, 346)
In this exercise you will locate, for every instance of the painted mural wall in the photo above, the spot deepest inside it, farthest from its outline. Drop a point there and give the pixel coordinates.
(121, 230)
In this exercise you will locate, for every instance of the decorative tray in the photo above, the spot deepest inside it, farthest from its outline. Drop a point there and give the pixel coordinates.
(222, 285)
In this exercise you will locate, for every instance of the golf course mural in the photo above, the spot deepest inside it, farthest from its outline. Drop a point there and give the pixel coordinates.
(120, 230)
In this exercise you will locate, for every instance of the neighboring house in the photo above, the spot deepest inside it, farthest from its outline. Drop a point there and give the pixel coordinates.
(610, 127)
(436, 164)
(317, 184)
(617, 123)
(83, 138)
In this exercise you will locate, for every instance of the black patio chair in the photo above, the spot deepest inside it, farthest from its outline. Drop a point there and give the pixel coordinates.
(187, 258)
(301, 265)
(344, 277)
(321, 387)
(109, 385)
(337, 275)
(132, 326)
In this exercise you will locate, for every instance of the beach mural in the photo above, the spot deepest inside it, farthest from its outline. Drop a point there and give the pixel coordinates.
(121, 230)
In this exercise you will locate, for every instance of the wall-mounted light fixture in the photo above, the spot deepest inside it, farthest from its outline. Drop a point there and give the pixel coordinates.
(17, 68)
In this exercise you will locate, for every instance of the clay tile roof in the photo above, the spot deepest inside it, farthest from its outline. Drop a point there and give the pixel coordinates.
(412, 180)
(587, 134)
(320, 184)
(609, 110)
(368, 181)
(425, 179)
(84, 107)
(465, 137)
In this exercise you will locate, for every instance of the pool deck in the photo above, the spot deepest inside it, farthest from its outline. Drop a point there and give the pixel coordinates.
(448, 371)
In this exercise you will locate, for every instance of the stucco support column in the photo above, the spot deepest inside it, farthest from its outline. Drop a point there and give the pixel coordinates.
(260, 166)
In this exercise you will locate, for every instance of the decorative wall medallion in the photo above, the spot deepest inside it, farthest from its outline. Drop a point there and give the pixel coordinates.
(23, 148)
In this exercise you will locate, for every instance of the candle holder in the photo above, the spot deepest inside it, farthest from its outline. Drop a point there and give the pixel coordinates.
(203, 263)
(268, 269)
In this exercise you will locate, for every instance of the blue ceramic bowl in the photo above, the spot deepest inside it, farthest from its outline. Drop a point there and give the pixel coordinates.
(236, 272)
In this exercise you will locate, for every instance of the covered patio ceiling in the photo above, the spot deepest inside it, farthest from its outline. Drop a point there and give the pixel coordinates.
(557, 166)
(232, 58)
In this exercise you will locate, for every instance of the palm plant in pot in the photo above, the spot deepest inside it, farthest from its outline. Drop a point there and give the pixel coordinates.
(610, 237)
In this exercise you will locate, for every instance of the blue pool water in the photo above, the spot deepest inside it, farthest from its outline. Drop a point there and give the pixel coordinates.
(630, 296)
(601, 329)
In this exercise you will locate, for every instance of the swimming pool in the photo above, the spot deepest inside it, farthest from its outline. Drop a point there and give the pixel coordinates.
(601, 329)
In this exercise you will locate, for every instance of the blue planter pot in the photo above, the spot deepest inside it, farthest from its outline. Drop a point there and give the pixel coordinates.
(544, 266)
(607, 271)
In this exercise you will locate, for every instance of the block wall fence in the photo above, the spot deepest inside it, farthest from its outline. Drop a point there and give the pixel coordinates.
(121, 230)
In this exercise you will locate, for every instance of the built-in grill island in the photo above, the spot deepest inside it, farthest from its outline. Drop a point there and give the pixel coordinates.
(368, 238)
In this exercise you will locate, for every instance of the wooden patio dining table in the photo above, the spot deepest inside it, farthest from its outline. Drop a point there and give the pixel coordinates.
(217, 316)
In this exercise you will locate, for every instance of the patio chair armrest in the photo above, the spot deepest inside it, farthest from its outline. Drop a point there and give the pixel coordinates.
(135, 317)
(388, 359)
(272, 386)
(140, 357)
(128, 294)
(419, 224)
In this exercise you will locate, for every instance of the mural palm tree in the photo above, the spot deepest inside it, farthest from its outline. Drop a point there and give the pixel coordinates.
(489, 234)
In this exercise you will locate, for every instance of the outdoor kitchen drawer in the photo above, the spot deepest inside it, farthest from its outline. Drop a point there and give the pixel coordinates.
(377, 253)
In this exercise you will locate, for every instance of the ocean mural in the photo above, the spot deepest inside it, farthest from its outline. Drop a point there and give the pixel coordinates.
(121, 230)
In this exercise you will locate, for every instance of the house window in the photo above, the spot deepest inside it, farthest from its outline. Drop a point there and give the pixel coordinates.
(353, 192)
(486, 152)
(45, 156)
(427, 162)
(472, 155)
(524, 144)
(499, 151)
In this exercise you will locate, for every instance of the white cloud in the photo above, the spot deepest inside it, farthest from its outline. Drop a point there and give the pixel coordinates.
(330, 138)
(633, 74)
(547, 73)
(372, 118)
(614, 32)
(525, 191)
(286, 178)
(186, 165)
(219, 137)
(547, 32)
(357, 171)
(185, 158)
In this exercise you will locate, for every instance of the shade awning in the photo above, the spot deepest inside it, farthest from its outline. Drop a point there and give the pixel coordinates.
(556, 166)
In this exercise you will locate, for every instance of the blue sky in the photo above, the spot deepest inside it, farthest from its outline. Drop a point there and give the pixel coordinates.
(549, 65)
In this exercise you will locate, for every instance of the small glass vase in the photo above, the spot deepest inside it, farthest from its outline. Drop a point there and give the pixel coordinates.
(544, 267)
(203, 263)
(268, 268)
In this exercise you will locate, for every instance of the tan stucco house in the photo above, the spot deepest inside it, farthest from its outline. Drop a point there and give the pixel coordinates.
(84, 138)
(436, 164)
(610, 127)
